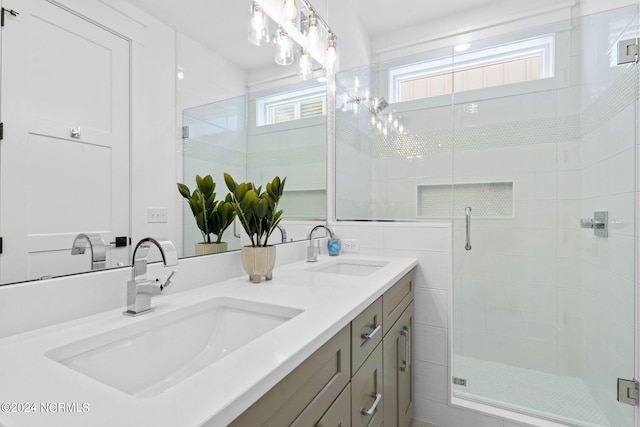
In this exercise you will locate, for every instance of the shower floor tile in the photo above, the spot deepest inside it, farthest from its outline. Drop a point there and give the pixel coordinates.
(559, 398)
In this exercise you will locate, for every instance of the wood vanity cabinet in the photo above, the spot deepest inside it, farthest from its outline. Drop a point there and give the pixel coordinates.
(398, 371)
(397, 347)
(360, 377)
(303, 396)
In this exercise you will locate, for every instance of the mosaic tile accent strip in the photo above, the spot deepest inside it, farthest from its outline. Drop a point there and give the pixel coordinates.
(615, 99)
(487, 199)
(527, 132)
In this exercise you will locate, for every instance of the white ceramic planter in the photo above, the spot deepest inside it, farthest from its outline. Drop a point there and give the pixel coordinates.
(210, 248)
(258, 262)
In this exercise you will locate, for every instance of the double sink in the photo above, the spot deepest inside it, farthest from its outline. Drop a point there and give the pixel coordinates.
(154, 354)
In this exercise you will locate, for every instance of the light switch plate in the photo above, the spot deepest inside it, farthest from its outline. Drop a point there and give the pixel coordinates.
(156, 215)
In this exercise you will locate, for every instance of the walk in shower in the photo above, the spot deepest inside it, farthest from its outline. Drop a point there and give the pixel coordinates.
(527, 143)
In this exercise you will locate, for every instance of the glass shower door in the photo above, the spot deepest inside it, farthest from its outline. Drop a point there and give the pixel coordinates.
(543, 298)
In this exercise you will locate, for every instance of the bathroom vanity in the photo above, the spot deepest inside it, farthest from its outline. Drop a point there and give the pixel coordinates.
(345, 382)
(306, 347)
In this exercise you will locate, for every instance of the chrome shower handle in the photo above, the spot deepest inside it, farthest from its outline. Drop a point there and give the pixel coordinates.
(467, 213)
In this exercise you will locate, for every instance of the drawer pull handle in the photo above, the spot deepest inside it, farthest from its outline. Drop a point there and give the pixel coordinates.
(406, 332)
(370, 335)
(371, 410)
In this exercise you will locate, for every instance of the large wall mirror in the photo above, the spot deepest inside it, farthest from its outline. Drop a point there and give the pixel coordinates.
(255, 137)
(95, 94)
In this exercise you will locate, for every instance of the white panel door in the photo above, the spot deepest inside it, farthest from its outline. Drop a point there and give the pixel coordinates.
(61, 74)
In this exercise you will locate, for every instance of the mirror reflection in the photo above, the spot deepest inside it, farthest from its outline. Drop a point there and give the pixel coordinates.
(93, 141)
(281, 131)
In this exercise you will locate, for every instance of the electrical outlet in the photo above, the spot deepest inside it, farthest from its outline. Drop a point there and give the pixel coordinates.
(350, 245)
(157, 215)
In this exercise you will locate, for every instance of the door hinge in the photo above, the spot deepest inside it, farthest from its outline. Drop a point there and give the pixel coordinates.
(9, 11)
(459, 381)
(185, 132)
(627, 51)
(0, 245)
(1, 131)
(628, 391)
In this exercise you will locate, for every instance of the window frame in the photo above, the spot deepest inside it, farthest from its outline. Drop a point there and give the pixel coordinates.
(542, 46)
(265, 105)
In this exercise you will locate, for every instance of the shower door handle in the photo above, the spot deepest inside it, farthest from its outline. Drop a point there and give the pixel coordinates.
(467, 213)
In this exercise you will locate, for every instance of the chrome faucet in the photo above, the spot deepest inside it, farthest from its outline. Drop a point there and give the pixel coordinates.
(96, 246)
(139, 288)
(283, 232)
(312, 251)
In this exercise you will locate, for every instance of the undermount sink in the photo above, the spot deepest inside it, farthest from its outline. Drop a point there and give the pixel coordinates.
(151, 356)
(350, 267)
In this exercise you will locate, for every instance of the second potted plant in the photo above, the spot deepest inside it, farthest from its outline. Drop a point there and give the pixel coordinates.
(212, 216)
(258, 213)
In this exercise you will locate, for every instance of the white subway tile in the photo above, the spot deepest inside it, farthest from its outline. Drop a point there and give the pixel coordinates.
(431, 307)
(431, 344)
(432, 381)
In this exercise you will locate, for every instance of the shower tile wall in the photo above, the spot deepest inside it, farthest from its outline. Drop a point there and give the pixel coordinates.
(509, 303)
(296, 149)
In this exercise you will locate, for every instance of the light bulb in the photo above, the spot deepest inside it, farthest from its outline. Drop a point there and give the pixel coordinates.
(284, 48)
(373, 120)
(305, 69)
(258, 27)
(290, 10)
(313, 33)
(331, 56)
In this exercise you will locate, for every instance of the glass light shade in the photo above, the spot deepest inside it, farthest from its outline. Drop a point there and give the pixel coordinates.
(305, 65)
(284, 48)
(331, 56)
(258, 26)
(290, 10)
(313, 31)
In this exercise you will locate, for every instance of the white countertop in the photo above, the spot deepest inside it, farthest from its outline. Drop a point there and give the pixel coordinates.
(218, 393)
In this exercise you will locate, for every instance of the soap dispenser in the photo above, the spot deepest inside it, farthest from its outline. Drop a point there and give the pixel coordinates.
(334, 246)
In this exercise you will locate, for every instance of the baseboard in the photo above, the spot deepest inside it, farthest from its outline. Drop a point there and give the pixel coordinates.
(418, 423)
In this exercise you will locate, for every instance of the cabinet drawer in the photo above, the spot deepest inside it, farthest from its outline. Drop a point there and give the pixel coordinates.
(308, 391)
(339, 414)
(396, 300)
(366, 333)
(366, 392)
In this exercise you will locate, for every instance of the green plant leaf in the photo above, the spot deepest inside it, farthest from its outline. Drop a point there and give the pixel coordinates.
(184, 191)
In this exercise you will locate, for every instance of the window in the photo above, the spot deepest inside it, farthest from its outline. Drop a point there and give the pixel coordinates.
(284, 107)
(523, 60)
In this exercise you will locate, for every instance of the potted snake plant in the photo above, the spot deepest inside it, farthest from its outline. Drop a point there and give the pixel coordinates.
(259, 216)
(212, 216)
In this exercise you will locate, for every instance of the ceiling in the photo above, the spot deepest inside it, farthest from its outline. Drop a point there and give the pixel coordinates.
(221, 25)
